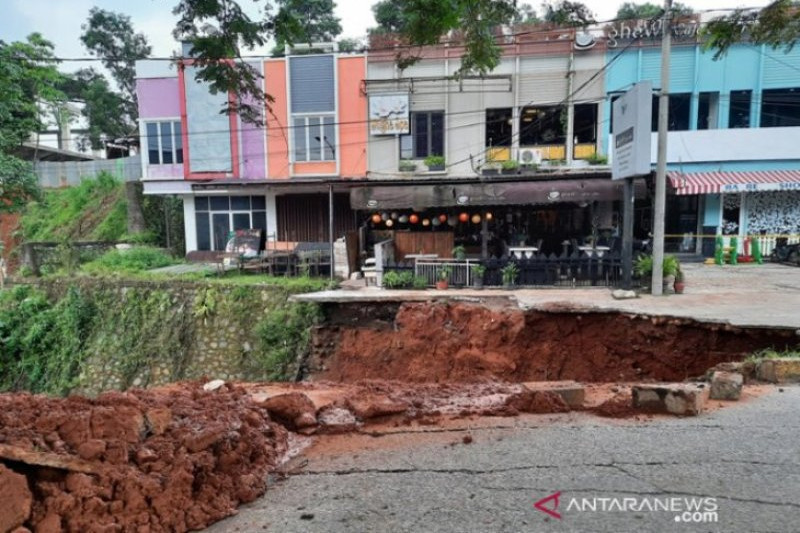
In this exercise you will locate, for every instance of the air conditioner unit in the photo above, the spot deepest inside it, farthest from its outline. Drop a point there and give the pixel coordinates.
(530, 156)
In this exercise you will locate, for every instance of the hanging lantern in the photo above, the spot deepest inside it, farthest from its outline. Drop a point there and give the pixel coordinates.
(442, 218)
(463, 217)
(489, 216)
(413, 218)
(394, 215)
(376, 218)
(452, 221)
(389, 223)
(403, 219)
(384, 216)
(476, 219)
(426, 222)
(437, 222)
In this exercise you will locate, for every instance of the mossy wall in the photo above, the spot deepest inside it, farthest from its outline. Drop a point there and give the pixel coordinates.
(141, 334)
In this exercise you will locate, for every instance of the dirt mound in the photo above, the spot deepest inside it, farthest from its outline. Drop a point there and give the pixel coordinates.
(437, 342)
(160, 460)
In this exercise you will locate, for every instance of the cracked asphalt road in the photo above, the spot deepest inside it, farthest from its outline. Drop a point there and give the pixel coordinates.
(746, 455)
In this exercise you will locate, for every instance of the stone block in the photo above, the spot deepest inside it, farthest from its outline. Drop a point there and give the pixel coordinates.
(620, 294)
(783, 370)
(571, 392)
(680, 399)
(726, 385)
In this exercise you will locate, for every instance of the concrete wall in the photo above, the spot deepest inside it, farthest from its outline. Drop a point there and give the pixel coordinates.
(56, 174)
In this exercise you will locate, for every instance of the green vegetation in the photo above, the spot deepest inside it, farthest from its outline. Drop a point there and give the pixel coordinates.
(403, 280)
(510, 273)
(136, 259)
(644, 265)
(434, 161)
(94, 210)
(509, 165)
(770, 353)
(282, 335)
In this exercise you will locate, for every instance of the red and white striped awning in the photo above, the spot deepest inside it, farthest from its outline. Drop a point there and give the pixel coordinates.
(733, 182)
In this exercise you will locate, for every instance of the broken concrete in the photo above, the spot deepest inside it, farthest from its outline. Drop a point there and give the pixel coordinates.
(782, 370)
(746, 368)
(678, 399)
(293, 409)
(726, 386)
(571, 392)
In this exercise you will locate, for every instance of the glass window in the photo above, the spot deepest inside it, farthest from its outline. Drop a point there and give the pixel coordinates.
(241, 221)
(707, 111)
(585, 123)
(258, 202)
(240, 203)
(203, 231)
(152, 143)
(679, 111)
(739, 114)
(314, 138)
(201, 203)
(498, 127)
(329, 139)
(219, 203)
(259, 220)
(780, 107)
(166, 143)
(178, 133)
(542, 125)
(300, 139)
(426, 138)
(220, 222)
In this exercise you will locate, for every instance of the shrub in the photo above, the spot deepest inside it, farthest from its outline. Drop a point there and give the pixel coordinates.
(434, 161)
(134, 260)
(510, 273)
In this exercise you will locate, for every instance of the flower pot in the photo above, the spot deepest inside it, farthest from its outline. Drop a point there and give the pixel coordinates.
(477, 283)
(509, 286)
(679, 287)
(435, 168)
(442, 284)
(668, 285)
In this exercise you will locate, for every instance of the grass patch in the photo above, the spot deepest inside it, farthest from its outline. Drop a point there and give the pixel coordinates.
(769, 353)
(94, 210)
(137, 259)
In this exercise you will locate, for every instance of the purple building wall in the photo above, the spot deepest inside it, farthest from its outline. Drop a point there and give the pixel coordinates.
(158, 98)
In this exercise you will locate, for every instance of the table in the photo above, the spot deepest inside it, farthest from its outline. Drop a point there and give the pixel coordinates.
(419, 257)
(591, 250)
(522, 251)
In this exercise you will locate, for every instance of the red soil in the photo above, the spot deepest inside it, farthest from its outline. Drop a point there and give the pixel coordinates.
(9, 222)
(162, 460)
(435, 342)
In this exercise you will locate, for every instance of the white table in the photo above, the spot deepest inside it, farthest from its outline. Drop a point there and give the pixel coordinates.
(591, 250)
(522, 251)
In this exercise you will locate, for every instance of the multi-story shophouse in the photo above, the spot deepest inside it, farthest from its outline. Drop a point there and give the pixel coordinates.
(734, 123)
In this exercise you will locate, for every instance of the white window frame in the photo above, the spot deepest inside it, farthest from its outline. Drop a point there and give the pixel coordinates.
(158, 124)
(230, 212)
(305, 117)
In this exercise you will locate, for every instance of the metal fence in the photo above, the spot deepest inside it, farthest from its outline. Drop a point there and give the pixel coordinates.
(576, 270)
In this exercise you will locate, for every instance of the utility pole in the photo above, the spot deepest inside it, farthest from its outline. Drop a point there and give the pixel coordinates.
(661, 166)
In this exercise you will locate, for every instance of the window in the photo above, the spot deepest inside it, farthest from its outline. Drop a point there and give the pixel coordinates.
(707, 111)
(542, 126)
(426, 138)
(217, 216)
(739, 114)
(498, 127)
(314, 138)
(679, 112)
(585, 123)
(780, 107)
(164, 143)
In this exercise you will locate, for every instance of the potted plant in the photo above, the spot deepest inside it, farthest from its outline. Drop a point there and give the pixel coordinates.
(510, 272)
(680, 282)
(443, 277)
(477, 275)
(435, 163)
(509, 166)
(459, 253)
(407, 166)
(491, 168)
(669, 268)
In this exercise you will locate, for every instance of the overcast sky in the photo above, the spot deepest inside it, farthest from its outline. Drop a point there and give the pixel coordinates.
(60, 20)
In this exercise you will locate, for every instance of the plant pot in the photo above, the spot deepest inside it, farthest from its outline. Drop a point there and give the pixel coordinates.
(509, 286)
(679, 287)
(489, 172)
(442, 284)
(509, 172)
(669, 285)
(477, 283)
(435, 168)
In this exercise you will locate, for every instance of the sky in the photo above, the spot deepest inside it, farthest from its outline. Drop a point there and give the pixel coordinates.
(60, 20)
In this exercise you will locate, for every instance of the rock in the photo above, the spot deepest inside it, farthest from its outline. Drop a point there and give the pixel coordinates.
(674, 398)
(205, 438)
(92, 449)
(726, 385)
(289, 407)
(746, 368)
(571, 392)
(213, 385)
(540, 402)
(158, 419)
(16, 499)
(336, 420)
(306, 420)
(52, 460)
(375, 405)
(620, 294)
(782, 370)
(122, 422)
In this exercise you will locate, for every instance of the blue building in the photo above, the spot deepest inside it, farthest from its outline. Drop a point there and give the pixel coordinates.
(734, 134)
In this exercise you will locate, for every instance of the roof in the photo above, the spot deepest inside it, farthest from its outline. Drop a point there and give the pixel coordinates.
(733, 182)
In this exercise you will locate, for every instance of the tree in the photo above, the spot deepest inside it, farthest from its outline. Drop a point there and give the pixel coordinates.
(632, 11)
(348, 45)
(568, 14)
(390, 17)
(776, 25)
(306, 21)
(104, 109)
(111, 37)
(526, 14)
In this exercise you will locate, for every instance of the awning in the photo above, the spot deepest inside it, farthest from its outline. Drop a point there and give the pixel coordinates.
(733, 182)
(475, 194)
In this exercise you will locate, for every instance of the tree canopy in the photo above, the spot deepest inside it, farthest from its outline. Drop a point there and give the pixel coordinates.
(568, 14)
(776, 25)
(633, 11)
(306, 21)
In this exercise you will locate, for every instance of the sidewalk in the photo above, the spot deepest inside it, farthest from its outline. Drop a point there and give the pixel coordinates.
(742, 296)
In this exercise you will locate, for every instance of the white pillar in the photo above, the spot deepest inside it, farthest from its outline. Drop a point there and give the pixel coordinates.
(189, 223)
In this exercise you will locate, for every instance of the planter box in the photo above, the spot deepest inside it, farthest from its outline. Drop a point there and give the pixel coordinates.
(435, 168)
